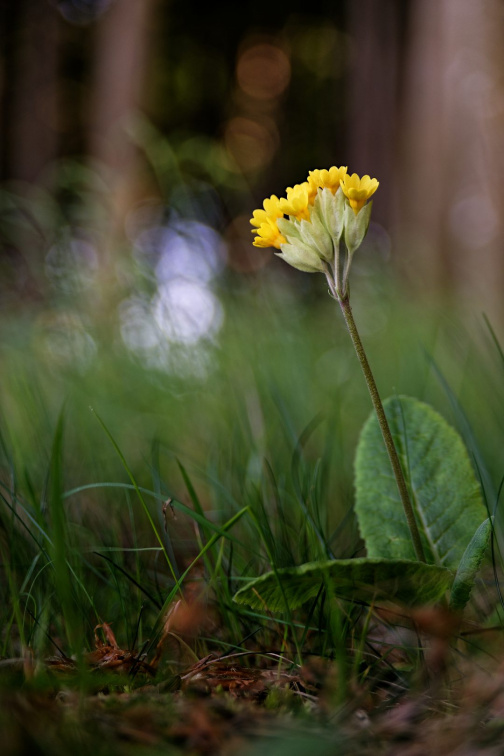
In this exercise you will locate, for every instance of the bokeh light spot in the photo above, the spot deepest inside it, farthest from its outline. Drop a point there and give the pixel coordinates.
(186, 312)
(263, 71)
(250, 143)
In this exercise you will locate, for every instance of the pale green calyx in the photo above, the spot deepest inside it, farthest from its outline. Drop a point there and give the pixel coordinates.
(356, 226)
(308, 245)
(330, 208)
(301, 256)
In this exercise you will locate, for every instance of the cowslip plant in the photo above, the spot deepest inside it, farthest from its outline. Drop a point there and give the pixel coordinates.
(424, 527)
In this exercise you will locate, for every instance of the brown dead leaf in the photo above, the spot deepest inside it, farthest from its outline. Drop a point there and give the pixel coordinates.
(211, 674)
(61, 664)
(108, 633)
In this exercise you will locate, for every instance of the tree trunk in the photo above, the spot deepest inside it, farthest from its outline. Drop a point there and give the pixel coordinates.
(30, 91)
(374, 26)
(119, 69)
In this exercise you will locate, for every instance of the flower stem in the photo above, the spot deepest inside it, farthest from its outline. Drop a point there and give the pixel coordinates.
(344, 303)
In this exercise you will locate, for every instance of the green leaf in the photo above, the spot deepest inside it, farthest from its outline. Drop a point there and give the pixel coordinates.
(445, 494)
(363, 579)
(469, 566)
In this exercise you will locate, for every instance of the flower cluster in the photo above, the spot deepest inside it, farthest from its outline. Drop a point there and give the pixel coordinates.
(328, 205)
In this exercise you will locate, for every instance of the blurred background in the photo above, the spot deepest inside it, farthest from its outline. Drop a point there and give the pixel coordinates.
(136, 139)
(117, 113)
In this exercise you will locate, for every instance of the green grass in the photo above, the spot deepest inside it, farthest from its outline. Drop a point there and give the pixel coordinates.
(257, 460)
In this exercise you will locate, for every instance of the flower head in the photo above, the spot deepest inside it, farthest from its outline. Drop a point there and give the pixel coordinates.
(358, 190)
(319, 217)
(297, 202)
(326, 179)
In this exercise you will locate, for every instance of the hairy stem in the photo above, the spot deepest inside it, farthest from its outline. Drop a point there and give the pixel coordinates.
(344, 303)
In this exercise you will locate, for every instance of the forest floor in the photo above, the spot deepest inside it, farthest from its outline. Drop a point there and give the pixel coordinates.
(246, 703)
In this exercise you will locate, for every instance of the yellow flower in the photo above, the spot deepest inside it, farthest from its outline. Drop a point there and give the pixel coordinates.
(265, 220)
(297, 202)
(271, 212)
(326, 179)
(358, 190)
(268, 235)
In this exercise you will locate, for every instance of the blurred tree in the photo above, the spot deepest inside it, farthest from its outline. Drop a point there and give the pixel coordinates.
(452, 153)
(377, 30)
(29, 102)
(410, 91)
(119, 66)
